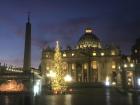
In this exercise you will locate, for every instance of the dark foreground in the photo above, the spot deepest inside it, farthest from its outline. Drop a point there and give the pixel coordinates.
(94, 96)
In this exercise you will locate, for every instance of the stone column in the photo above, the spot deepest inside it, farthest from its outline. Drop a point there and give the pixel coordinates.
(76, 73)
(82, 73)
(69, 69)
(89, 71)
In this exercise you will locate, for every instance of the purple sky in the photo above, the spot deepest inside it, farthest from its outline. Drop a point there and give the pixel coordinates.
(113, 21)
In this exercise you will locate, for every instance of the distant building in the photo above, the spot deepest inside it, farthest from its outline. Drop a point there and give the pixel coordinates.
(89, 61)
(129, 70)
(125, 72)
(136, 51)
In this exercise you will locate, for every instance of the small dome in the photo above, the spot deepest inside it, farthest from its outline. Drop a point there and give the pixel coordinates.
(89, 40)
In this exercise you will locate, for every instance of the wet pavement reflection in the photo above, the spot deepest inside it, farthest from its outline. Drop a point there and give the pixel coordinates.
(94, 96)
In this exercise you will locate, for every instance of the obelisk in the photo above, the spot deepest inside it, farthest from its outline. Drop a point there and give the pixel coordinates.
(27, 47)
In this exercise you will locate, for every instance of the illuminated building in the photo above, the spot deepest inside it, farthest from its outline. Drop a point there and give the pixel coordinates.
(125, 74)
(89, 61)
(135, 53)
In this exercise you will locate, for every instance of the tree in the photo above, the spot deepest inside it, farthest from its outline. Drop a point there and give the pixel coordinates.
(58, 83)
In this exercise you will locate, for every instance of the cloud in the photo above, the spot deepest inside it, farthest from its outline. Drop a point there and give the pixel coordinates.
(65, 31)
(39, 42)
(109, 29)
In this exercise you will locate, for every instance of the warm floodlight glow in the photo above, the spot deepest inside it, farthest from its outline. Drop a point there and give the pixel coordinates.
(131, 65)
(125, 65)
(94, 54)
(88, 30)
(12, 86)
(107, 83)
(72, 54)
(138, 81)
(113, 66)
(113, 83)
(51, 74)
(112, 52)
(68, 78)
(64, 55)
(129, 79)
(102, 54)
(119, 67)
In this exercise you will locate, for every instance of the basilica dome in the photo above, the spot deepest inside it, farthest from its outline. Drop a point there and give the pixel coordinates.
(88, 40)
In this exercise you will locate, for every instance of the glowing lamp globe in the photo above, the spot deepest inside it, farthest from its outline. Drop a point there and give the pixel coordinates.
(68, 78)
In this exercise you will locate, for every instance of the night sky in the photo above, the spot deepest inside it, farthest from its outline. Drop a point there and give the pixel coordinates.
(113, 21)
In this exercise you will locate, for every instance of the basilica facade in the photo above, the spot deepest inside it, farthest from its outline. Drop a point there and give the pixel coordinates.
(88, 62)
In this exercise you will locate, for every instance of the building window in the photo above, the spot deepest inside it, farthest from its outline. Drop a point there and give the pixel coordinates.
(73, 66)
(65, 66)
(47, 68)
(112, 52)
(88, 31)
(99, 45)
(81, 46)
(94, 53)
(130, 74)
(85, 66)
(102, 54)
(94, 45)
(94, 65)
(47, 55)
(113, 65)
(85, 45)
(64, 55)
